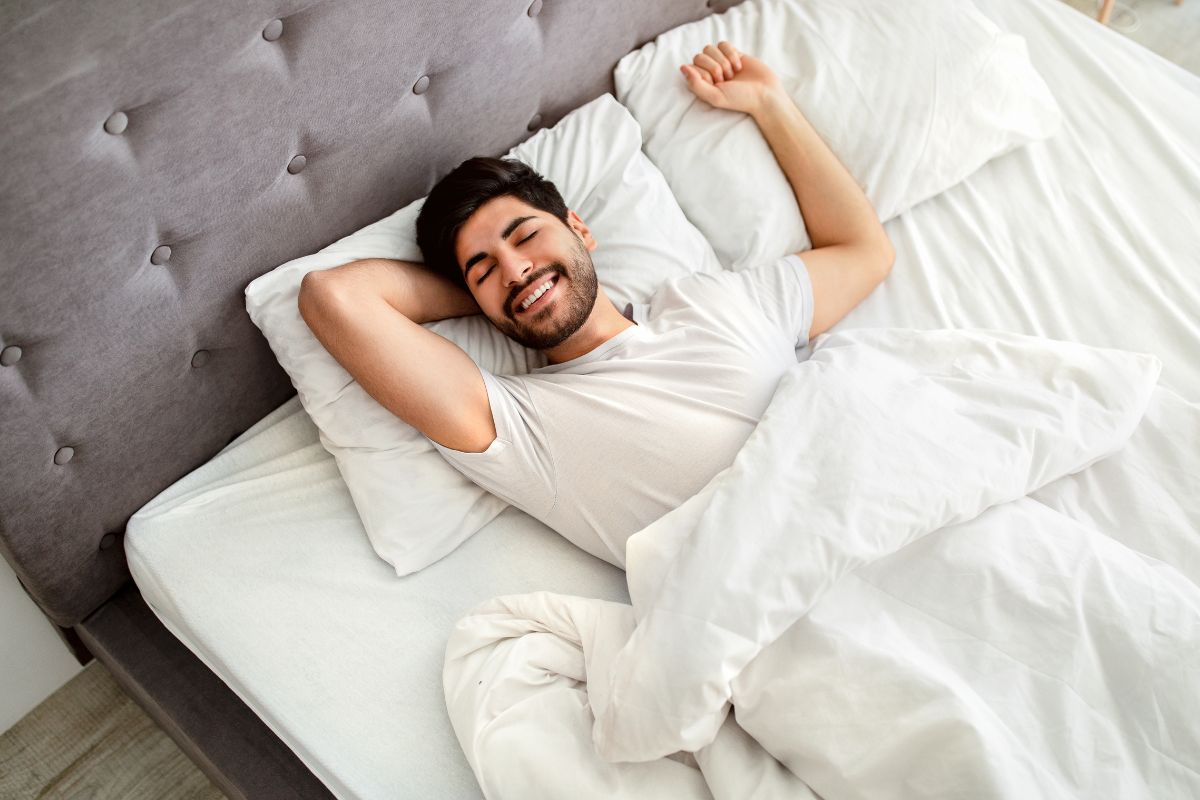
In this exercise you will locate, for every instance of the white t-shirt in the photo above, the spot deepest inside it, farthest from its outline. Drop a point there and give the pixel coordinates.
(600, 446)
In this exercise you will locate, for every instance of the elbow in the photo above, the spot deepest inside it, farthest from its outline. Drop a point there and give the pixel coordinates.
(317, 293)
(886, 256)
(306, 298)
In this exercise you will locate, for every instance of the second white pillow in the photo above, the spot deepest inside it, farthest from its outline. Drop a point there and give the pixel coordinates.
(912, 97)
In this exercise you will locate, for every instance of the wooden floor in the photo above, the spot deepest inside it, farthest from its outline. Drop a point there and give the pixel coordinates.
(88, 740)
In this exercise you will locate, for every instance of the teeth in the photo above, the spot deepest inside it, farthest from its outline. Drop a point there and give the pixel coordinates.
(541, 290)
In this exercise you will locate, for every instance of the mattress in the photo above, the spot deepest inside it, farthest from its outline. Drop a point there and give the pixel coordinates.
(258, 562)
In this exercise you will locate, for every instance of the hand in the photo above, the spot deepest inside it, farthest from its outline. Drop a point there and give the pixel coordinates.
(724, 78)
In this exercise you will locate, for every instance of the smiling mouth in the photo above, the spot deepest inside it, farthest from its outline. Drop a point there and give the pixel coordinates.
(538, 300)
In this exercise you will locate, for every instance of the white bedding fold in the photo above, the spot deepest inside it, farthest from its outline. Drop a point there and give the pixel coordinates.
(1017, 655)
(879, 438)
(870, 588)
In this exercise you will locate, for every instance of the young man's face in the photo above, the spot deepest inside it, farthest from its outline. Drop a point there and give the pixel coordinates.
(510, 250)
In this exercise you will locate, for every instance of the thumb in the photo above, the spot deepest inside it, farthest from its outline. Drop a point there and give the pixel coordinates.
(700, 87)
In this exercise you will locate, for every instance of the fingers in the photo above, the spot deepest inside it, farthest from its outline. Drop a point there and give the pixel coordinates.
(698, 80)
(713, 52)
(700, 84)
(711, 69)
(732, 54)
(719, 62)
(695, 74)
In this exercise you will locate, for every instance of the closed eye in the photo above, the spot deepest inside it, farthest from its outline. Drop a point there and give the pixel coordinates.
(489, 269)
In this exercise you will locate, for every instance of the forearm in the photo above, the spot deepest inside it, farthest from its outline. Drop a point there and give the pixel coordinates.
(834, 208)
(414, 291)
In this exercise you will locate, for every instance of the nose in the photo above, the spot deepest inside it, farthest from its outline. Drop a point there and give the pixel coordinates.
(514, 266)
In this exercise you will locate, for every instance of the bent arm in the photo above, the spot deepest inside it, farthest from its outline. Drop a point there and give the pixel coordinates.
(835, 210)
(416, 292)
(851, 253)
(367, 314)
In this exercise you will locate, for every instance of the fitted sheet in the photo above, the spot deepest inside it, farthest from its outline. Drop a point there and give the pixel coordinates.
(258, 561)
(1090, 236)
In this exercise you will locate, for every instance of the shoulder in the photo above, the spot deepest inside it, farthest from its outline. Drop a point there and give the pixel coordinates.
(759, 286)
(774, 298)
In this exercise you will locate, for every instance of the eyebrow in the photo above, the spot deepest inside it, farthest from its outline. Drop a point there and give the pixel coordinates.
(480, 256)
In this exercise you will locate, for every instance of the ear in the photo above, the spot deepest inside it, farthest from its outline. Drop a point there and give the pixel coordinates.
(581, 228)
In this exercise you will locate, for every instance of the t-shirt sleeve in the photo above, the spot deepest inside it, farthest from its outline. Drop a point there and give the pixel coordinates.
(784, 293)
(777, 295)
(516, 466)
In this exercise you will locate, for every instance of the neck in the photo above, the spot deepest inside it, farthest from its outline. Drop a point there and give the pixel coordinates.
(602, 324)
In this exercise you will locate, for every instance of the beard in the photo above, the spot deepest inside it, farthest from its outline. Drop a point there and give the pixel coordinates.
(575, 290)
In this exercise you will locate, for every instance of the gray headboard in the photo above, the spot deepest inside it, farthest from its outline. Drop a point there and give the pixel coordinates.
(158, 155)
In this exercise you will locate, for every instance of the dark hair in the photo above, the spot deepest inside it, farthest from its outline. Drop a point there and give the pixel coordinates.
(468, 186)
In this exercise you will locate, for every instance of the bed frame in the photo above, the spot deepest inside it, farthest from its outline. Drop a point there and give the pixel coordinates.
(158, 156)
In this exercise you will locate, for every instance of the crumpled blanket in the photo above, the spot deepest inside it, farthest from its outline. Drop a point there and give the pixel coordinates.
(945, 564)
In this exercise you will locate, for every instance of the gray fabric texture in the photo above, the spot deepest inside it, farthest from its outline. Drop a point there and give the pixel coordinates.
(146, 181)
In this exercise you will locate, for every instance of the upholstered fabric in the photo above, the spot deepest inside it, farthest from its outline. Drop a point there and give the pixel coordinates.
(157, 156)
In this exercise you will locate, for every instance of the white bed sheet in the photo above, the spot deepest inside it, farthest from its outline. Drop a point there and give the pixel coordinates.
(258, 562)
(1091, 236)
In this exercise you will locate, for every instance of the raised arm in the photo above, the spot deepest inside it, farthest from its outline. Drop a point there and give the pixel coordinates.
(851, 253)
(368, 315)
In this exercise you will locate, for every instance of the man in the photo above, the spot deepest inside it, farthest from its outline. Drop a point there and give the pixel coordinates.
(634, 412)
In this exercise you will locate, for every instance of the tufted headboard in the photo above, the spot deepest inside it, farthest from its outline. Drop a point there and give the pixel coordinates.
(160, 154)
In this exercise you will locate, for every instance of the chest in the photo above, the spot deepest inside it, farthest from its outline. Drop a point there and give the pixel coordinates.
(693, 396)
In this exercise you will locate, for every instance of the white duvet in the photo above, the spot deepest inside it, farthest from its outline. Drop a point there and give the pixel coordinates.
(943, 566)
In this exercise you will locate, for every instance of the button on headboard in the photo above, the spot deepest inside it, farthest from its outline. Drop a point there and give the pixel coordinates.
(158, 156)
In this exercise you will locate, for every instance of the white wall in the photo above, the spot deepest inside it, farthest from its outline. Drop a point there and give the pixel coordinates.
(34, 662)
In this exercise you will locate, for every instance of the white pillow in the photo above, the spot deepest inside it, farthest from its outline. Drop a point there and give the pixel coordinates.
(414, 506)
(912, 96)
